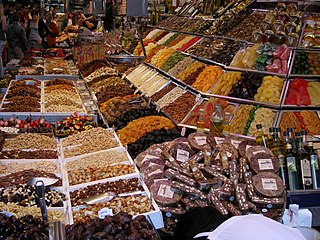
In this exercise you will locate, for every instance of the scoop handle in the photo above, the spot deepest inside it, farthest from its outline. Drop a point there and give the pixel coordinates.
(42, 200)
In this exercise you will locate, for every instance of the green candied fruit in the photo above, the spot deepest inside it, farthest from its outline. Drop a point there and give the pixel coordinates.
(263, 59)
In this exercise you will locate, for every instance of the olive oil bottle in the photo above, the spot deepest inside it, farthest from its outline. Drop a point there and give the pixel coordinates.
(314, 166)
(277, 150)
(304, 163)
(261, 137)
(294, 172)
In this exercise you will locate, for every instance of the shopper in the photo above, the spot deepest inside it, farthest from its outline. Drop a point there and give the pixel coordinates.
(54, 32)
(69, 21)
(24, 16)
(3, 29)
(213, 226)
(88, 22)
(17, 39)
(108, 20)
(37, 31)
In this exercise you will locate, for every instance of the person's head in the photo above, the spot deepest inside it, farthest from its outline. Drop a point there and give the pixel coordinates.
(71, 15)
(46, 16)
(34, 15)
(15, 17)
(25, 9)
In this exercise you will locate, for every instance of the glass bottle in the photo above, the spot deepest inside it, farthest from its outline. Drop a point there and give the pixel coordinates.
(226, 123)
(305, 165)
(294, 172)
(216, 120)
(270, 139)
(278, 153)
(314, 166)
(201, 123)
(261, 137)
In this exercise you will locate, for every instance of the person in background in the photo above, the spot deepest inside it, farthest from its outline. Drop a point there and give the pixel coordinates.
(54, 32)
(16, 38)
(8, 11)
(108, 20)
(3, 29)
(69, 21)
(37, 31)
(24, 16)
(88, 22)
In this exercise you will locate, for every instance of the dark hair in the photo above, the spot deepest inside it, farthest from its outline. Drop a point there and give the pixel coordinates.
(198, 220)
(15, 17)
(34, 12)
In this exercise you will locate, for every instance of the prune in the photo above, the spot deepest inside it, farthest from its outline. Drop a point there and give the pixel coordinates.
(116, 227)
(153, 137)
(128, 116)
(247, 86)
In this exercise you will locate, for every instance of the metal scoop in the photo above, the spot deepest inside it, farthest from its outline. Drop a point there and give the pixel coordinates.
(46, 181)
(107, 196)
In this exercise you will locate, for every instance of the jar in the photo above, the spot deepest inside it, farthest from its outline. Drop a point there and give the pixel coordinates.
(266, 25)
(290, 27)
(268, 36)
(292, 39)
(278, 26)
(257, 36)
(280, 38)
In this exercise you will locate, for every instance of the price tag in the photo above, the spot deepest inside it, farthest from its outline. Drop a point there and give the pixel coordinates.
(261, 151)
(219, 140)
(265, 164)
(198, 97)
(201, 140)
(165, 191)
(235, 143)
(154, 172)
(147, 157)
(248, 146)
(105, 212)
(183, 131)
(8, 214)
(269, 184)
(182, 155)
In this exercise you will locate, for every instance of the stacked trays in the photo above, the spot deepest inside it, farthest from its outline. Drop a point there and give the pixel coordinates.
(71, 159)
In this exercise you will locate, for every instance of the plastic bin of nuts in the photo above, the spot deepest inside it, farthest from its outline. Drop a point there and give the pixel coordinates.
(94, 168)
(136, 203)
(89, 141)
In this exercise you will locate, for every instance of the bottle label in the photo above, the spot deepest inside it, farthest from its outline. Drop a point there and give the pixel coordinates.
(314, 161)
(165, 191)
(306, 172)
(282, 160)
(182, 155)
(291, 162)
(265, 164)
(269, 184)
(201, 140)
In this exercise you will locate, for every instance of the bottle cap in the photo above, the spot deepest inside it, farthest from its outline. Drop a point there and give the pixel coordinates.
(259, 126)
(286, 133)
(278, 129)
(271, 129)
(275, 135)
(297, 134)
(303, 132)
